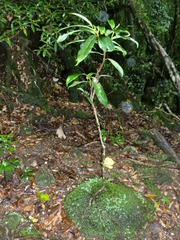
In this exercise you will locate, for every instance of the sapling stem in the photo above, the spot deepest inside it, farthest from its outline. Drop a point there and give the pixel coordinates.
(96, 115)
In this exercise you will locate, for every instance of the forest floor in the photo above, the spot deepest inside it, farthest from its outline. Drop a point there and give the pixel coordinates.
(78, 156)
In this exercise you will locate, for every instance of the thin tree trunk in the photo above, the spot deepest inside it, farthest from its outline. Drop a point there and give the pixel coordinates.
(174, 33)
(174, 75)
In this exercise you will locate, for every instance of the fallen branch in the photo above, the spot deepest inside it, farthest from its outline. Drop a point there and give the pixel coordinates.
(161, 142)
(170, 112)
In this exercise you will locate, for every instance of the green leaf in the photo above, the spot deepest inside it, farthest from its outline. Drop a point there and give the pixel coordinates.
(100, 93)
(111, 24)
(71, 78)
(33, 28)
(43, 196)
(24, 30)
(64, 36)
(16, 162)
(119, 48)
(89, 75)
(8, 168)
(165, 200)
(44, 52)
(125, 32)
(105, 43)
(108, 32)
(8, 41)
(5, 163)
(102, 30)
(83, 17)
(86, 49)
(117, 66)
(134, 41)
(75, 83)
(86, 95)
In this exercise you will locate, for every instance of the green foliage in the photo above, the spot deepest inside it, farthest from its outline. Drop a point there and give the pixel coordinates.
(117, 139)
(7, 165)
(165, 200)
(105, 39)
(44, 197)
(158, 14)
(7, 146)
(46, 19)
(100, 93)
(27, 174)
(29, 232)
(104, 134)
(39, 16)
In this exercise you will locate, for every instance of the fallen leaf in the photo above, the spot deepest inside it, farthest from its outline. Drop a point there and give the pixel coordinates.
(108, 163)
(34, 220)
(150, 195)
(60, 133)
(156, 205)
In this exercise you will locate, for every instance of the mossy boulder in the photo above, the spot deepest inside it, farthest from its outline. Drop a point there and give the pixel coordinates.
(130, 150)
(44, 178)
(154, 176)
(26, 130)
(13, 219)
(117, 212)
(15, 226)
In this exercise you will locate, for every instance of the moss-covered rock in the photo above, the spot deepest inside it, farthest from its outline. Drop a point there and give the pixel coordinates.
(117, 212)
(26, 130)
(15, 226)
(130, 150)
(12, 220)
(44, 178)
(155, 175)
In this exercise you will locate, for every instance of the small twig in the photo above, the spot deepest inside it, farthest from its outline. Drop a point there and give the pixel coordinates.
(176, 181)
(171, 113)
(90, 143)
(81, 135)
(95, 195)
(149, 165)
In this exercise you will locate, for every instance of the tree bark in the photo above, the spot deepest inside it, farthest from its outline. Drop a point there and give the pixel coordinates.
(174, 75)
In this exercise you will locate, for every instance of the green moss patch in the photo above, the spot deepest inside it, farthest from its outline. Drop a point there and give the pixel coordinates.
(116, 212)
(155, 175)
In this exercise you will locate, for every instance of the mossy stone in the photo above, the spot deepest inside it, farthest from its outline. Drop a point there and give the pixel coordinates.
(130, 150)
(16, 223)
(155, 175)
(116, 212)
(12, 220)
(44, 178)
(26, 130)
